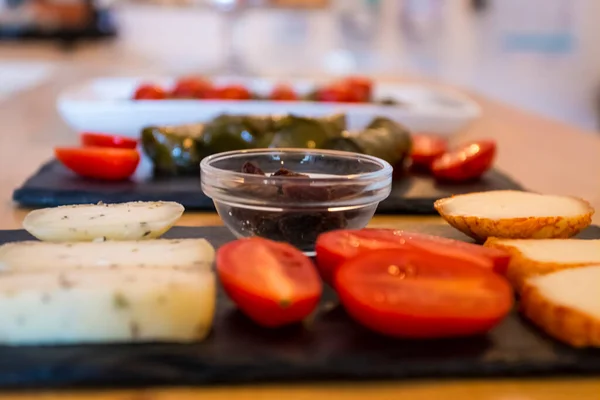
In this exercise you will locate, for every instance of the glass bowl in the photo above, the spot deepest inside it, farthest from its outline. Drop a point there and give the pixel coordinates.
(342, 192)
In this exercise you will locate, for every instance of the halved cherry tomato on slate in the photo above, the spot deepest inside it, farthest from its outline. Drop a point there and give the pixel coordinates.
(91, 139)
(99, 162)
(283, 93)
(426, 148)
(273, 283)
(150, 92)
(191, 88)
(233, 92)
(336, 247)
(362, 87)
(401, 294)
(467, 162)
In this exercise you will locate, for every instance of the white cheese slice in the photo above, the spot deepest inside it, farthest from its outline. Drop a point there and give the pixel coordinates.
(160, 253)
(576, 288)
(556, 251)
(87, 222)
(132, 304)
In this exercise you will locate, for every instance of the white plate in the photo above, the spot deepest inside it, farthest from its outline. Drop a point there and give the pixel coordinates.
(104, 105)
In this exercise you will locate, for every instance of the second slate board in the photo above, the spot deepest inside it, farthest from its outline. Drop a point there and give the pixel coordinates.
(53, 185)
(330, 347)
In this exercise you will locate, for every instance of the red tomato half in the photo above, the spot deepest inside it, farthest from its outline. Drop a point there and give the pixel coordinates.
(191, 88)
(233, 92)
(91, 139)
(283, 93)
(336, 247)
(467, 162)
(362, 87)
(401, 294)
(99, 162)
(149, 92)
(339, 92)
(426, 148)
(273, 283)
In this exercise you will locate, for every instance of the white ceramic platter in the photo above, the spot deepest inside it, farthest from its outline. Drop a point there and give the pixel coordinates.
(105, 105)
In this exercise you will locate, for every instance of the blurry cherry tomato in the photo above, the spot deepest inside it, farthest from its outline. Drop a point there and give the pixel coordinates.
(402, 294)
(91, 139)
(233, 92)
(338, 92)
(273, 283)
(362, 87)
(336, 247)
(150, 92)
(99, 162)
(425, 149)
(191, 88)
(467, 162)
(283, 93)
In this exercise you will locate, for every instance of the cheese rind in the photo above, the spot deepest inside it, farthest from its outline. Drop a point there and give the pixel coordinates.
(87, 222)
(106, 306)
(531, 258)
(515, 215)
(160, 253)
(566, 305)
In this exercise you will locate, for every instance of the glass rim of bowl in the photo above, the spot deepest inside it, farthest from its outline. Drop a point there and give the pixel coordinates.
(213, 177)
(386, 168)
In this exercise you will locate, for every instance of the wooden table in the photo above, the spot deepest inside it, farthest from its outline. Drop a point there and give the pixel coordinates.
(544, 155)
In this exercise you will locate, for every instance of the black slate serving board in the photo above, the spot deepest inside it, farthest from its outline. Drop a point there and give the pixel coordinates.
(53, 185)
(332, 347)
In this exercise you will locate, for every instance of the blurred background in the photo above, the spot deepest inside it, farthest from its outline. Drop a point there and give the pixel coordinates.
(540, 55)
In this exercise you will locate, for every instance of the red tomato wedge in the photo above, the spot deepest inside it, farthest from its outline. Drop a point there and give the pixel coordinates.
(99, 162)
(402, 294)
(191, 88)
(283, 93)
(149, 92)
(361, 86)
(273, 283)
(467, 162)
(426, 148)
(91, 139)
(233, 92)
(335, 247)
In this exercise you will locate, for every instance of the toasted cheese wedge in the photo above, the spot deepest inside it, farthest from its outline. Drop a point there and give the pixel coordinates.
(538, 257)
(515, 215)
(160, 253)
(106, 306)
(566, 305)
(87, 222)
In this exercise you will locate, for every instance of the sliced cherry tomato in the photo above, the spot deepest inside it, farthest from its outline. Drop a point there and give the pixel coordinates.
(362, 87)
(401, 294)
(191, 88)
(99, 162)
(338, 92)
(467, 162)
(336, 247)
(150, 92)
(425, 149)
(272, 283)
(92, 139)
(283, 93)
(233, 92)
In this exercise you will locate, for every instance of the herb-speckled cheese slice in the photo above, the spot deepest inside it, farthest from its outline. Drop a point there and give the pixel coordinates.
(131, 304)
(160, 253)
(87, 222)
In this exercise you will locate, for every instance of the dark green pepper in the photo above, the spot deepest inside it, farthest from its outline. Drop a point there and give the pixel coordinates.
(174, 150)
(306, 132)
(236, 132)
(382, 138)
